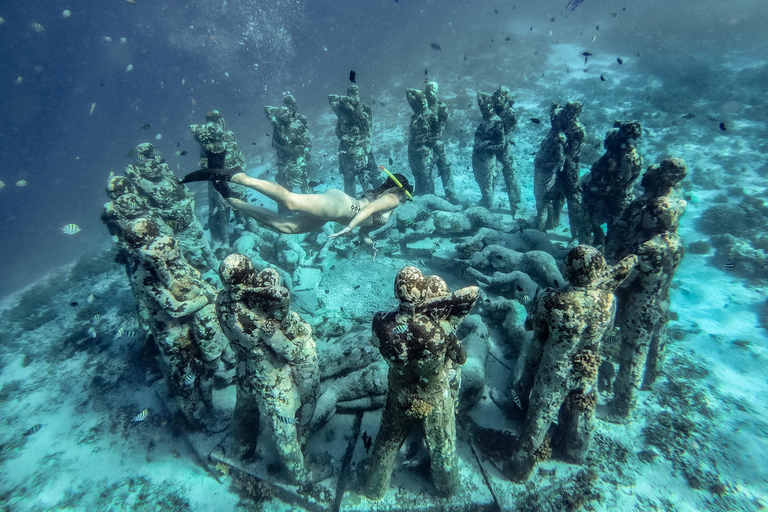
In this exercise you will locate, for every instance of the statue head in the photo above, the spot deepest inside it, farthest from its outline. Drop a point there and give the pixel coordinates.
(583, 265)
(236, 269)
(411, 287)
(130, 206)
(659, 178)
(485, 102)
(118, 186)
(417, 100)
(140, 232)
(289, 102)
(663, 214)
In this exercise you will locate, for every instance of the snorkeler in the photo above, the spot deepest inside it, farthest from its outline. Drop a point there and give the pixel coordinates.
(312, 211)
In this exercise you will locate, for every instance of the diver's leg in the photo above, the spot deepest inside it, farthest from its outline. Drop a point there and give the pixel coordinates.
(331, 204)
(287, 225)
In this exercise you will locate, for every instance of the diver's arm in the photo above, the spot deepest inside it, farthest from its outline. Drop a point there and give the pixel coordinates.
(384, 203)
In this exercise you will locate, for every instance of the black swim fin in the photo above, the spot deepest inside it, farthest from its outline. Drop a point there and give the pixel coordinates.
(211, 175)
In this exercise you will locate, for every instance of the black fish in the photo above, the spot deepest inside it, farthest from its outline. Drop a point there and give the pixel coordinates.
(313, 183)
(178, 144)
(382, 104)
(435, 47)
(619, 61)
(586, 55)
(689, 116)
(597, 27)
(535, 120)
(356, 287)
(602, 78)
(352, 76)
(729, 264)
(426, 71)
(507, 38)
(74, 304)
(367, 441)
(391, 162)
(722, 126)
(495, 11)
(32, 430)
(146, 126)
(182, 153)
(253, 143)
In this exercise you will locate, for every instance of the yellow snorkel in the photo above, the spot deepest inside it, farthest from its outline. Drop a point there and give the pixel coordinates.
(397, 182)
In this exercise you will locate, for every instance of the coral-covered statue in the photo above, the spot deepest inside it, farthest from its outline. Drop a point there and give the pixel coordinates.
(425, 142)
(276, 361)
(568, 325)
(290, 138)
(419, 343)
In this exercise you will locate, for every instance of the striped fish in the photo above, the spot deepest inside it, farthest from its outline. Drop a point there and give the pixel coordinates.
(92, 332)
(729, 264)
(525, 300)
(284, 419)
(189, 379)
(141, 416)
(70, 229)
(32, 430)
(96, 319)
(400, 329)
(120, 332)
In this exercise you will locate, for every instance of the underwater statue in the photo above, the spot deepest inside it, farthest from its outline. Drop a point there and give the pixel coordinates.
(182, 319)
(492, 151)
(419, 344)
(219, 150)
(353, 128)
(154, 181)
(556, 169)
(290, 138)
(568, 325)
(607, 187)
(425, 142)
(644, 303)
(277, 368)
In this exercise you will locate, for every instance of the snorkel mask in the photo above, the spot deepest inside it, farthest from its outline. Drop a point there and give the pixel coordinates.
(397, 182)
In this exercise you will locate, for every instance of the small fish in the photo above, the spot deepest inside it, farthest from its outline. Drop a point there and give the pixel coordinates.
(182, 153)
(367, 441)
(313, 183)
(34, 429)
(70, 229)
(178, 144)
(66, 13)
(141, 416)
(286, 420)
(21, 183)
(435, 47)
(129, 68)
(2, 185)
(526, 299)
(91, 298)
(391, 161)
(618, 59)
(37, 27)
(189, 379)
(96, 319)
(111, 175)
(722, 126)
(689, 116)
(146, 126)
(93, 107)
(130, 333)
(352, 75)
(174, 224)
(602, 78)
(74, 304)
(120, 332)
(535, 120)
(215, 211)
(586, 55)
(515, 398)
(594, 38)
(426, 71)
(356, 287)
(92, 332)
(400, 329)
(132, 2)
(729, 264)
(597, 27)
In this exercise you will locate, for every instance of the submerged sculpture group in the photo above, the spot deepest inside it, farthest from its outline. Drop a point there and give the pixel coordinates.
(618, 297)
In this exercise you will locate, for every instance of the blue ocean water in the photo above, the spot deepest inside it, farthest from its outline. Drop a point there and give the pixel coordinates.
(84, 82)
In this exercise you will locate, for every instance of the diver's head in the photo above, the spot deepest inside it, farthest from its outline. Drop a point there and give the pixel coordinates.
(583, 265)
(236, 269)
(390, 184)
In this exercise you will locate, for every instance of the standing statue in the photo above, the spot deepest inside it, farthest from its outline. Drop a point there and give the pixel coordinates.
(182, 318)
(425, 144)
(568, 325)
(353, 129)
(493, 147)
(556, 169)
(419, 343)
(607, 188)
(290, 138)
(276, 361)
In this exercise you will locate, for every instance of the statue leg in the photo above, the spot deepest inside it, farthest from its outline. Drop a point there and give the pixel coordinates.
(281, 405)
(420, 161)
(446, 175)
(484, 168)
(510, 178)
(576, 425)
(395, 425)
(632, 357)
(440, 434)
(245, 417)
